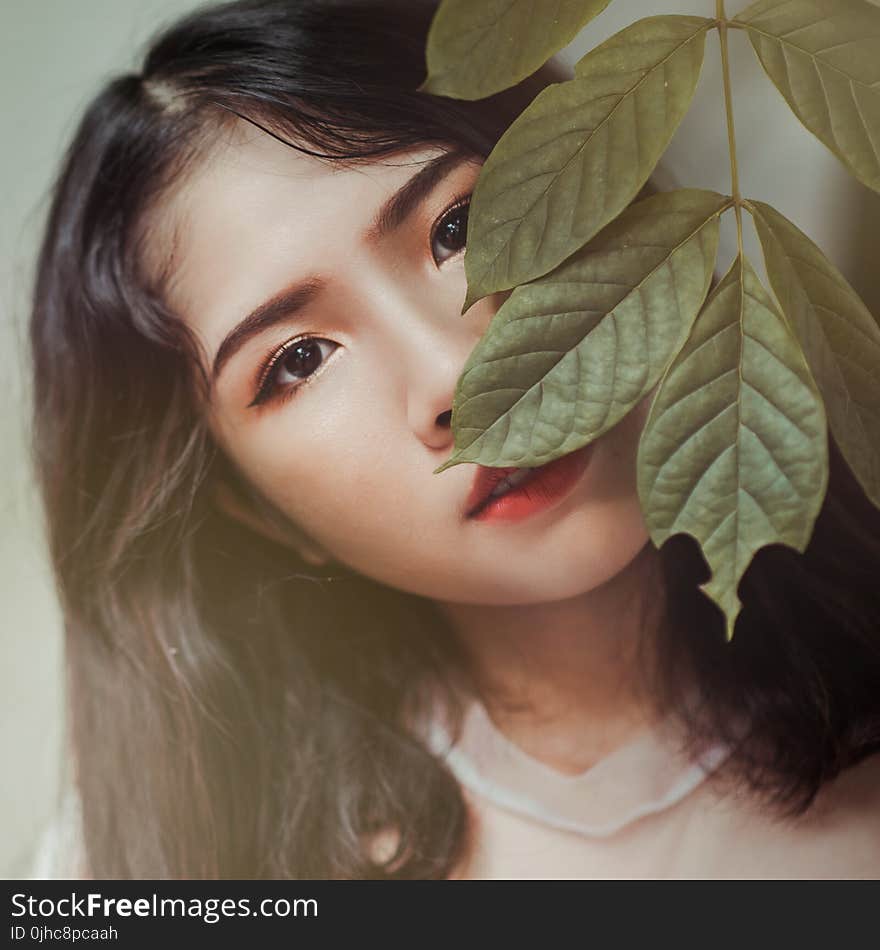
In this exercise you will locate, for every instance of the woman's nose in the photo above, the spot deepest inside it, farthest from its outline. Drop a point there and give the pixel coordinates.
(433, 367)
(437, 364)
(425, 341)
(437, 350)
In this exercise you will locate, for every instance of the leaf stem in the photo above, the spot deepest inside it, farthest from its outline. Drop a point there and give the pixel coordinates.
(723, 26)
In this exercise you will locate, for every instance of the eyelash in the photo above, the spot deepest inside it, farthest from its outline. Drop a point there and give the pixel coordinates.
(265, 386)
(459, 201)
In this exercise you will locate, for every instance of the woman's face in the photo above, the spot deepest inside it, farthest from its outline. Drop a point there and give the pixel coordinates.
(344, 434)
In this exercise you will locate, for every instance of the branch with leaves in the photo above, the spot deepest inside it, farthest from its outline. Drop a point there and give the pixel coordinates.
(609, 297)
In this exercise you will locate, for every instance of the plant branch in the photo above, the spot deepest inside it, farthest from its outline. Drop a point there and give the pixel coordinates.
(731, 129)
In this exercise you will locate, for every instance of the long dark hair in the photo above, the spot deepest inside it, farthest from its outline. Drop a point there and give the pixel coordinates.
(233, 715)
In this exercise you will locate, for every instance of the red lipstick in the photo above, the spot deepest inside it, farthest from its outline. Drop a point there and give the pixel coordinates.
(541, 488)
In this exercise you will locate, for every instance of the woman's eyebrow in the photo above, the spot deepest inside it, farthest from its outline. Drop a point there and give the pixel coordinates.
(269, 313)
(393, 213)
(406, 199)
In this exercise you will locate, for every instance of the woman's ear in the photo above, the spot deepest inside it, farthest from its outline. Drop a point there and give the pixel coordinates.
(258, 516)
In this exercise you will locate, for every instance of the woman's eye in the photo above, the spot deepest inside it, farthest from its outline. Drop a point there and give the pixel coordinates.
(450, 234)
(292, 365)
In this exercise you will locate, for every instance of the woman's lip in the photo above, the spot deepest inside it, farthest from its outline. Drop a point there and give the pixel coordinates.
(485, 480)
(551, 482)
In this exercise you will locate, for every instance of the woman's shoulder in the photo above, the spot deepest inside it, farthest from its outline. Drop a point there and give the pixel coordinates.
(845, 818)
(60, 852)
(838, 836)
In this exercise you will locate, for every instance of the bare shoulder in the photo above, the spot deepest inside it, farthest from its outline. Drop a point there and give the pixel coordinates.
(837, 837)
(855, 792)
(846, 819)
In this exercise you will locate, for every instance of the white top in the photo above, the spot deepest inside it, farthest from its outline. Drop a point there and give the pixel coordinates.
(648, 811)
(59, 851)
(646, 775)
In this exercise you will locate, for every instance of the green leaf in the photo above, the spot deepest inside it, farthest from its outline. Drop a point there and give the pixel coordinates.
(840, 337)
(824, 57)
(578, 155)
(479, 47)
(566, 357)
(734, 451)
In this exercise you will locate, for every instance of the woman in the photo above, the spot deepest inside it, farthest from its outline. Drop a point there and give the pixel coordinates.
(293, 651)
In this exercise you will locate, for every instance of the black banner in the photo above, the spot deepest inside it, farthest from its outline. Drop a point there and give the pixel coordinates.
(184, 913)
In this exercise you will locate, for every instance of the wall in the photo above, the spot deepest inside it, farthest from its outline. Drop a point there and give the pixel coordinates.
(53, 56)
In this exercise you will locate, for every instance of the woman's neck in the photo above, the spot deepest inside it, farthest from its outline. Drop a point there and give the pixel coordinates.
(565, 680)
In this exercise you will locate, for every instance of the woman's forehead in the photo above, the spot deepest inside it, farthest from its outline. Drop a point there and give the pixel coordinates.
(254, 213)
(246, 163)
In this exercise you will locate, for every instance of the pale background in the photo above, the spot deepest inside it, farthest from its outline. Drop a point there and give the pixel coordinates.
(53, 56)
